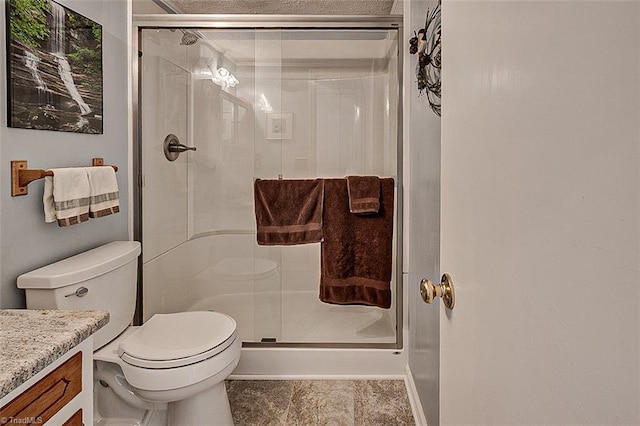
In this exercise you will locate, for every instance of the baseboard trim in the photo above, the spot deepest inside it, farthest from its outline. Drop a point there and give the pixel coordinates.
(414, 398)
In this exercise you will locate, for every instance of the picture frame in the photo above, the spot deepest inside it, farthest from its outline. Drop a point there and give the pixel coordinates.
(280, 126)
(54, 68)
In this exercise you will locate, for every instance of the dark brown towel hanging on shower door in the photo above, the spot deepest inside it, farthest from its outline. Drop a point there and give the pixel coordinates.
(356, 255)
(364, 194)
(288, 211)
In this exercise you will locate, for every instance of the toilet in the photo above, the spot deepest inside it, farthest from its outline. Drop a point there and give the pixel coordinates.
(175, 362)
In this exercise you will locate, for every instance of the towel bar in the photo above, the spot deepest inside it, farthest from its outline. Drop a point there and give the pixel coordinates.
(21, 176)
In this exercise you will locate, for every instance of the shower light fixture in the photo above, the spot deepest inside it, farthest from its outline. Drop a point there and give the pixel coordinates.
(224, 78)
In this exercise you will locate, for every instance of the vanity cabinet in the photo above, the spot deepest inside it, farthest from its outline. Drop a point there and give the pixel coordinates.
(75, 420)
(60, 394)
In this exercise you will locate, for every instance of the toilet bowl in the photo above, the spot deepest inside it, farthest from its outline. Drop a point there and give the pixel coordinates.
(176, 361)
(179, 359)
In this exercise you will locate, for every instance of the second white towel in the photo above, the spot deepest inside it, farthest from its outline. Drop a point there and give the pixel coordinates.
(104, 196)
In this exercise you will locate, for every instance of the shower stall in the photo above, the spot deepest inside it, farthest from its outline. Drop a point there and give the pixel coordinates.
(223, 100)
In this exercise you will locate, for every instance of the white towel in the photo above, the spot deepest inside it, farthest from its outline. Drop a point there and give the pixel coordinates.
(47, 199)
(66, 196)
(104, 196)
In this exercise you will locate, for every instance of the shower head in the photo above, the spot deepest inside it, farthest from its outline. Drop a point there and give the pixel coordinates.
(188, 38)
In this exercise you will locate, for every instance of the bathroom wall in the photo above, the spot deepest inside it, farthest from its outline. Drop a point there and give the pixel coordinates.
(26, 242)
(422, 223)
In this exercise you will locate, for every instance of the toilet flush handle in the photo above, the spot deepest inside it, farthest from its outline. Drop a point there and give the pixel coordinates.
(80, 292)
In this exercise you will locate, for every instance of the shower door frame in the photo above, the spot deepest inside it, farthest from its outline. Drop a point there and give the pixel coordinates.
(275, 22)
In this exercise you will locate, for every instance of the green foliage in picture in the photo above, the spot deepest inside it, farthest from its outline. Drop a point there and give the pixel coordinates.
(96, 29)
(85, 54)
(89, 63)
(28, 21)
(84, 24)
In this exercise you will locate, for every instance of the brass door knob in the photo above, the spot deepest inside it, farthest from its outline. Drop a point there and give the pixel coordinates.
(429, 291)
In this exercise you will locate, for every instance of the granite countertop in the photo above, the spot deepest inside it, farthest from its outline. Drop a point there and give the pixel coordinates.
(30, 340)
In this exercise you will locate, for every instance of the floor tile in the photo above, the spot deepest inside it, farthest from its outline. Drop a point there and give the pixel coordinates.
(319, 402)
(259, 402)
(322, 402)
(382, 402)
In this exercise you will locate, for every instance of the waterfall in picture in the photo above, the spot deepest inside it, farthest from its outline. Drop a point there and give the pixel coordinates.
(65, 74)
(64, 70)
(57, 36)
(31, 61)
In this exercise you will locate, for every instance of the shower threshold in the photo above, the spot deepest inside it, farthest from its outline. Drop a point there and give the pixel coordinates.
(277, 362)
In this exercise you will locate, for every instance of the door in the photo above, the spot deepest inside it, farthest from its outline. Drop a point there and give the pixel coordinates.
(540, 212)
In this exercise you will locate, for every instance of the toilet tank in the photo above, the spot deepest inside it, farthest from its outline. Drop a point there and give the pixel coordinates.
(109, 275)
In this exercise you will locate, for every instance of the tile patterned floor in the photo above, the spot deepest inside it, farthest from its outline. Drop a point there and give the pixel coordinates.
(319, 402)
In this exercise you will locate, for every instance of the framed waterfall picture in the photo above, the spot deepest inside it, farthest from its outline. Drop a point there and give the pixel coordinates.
(54, 68)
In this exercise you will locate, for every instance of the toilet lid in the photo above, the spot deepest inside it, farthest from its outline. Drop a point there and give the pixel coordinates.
(177, 337)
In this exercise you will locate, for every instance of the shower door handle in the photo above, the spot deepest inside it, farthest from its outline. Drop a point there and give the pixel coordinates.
(172, 147)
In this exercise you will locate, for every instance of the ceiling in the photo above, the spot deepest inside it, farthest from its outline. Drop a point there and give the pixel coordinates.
(283, 7)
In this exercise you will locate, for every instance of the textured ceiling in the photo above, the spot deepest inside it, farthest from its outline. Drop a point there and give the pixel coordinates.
(284, 7)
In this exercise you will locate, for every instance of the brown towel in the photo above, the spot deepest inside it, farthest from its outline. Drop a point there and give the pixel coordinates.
(356, 253)
(288, 212)
(364, 194)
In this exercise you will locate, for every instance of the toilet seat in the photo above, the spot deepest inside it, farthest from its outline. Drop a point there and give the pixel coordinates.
(179, 339)
(168, 379)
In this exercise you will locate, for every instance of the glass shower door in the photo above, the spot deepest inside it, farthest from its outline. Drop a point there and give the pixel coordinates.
(267, 151)
(259, 103)
(165, 94)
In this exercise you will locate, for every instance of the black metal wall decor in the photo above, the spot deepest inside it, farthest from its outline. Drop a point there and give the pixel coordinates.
(427, 44)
